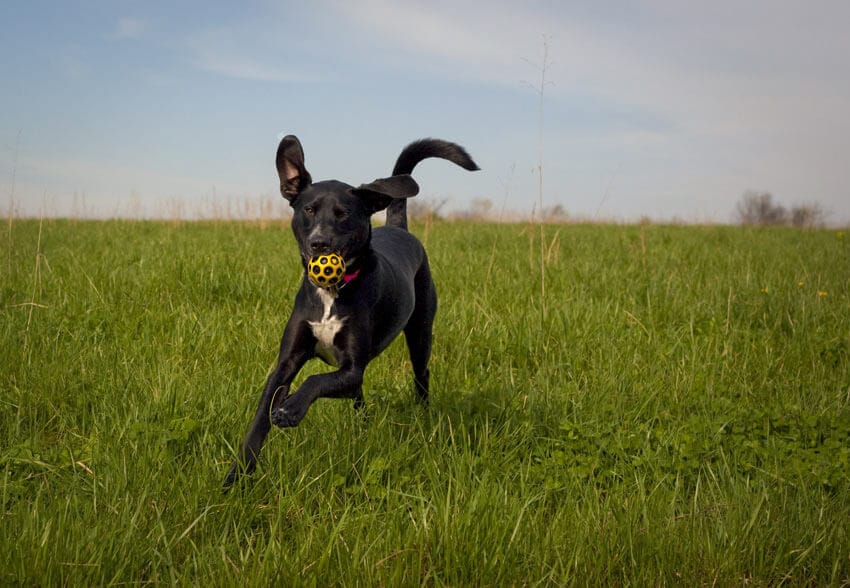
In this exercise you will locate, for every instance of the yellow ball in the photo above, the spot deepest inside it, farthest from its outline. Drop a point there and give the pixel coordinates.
(326, 270)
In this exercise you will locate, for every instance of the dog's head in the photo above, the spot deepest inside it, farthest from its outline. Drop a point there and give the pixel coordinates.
(331, 216)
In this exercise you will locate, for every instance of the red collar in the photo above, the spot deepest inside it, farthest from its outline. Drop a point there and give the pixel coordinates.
(351, 277)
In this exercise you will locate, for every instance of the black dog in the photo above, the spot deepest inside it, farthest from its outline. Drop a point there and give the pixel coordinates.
(387, 288)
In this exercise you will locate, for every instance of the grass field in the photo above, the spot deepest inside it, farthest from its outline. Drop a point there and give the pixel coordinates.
(675, 409)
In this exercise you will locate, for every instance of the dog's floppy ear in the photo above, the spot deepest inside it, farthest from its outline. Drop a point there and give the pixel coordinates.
(378, 194)
(294, 177)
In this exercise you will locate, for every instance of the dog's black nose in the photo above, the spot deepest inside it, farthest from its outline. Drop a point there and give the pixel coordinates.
(318, 246)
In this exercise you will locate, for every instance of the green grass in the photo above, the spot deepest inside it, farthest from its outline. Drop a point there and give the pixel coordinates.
(680, 416)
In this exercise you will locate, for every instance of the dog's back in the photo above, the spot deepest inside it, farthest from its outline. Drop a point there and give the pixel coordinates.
(410, 157)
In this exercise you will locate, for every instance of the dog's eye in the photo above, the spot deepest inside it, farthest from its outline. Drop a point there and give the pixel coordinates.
(341, 213)
(309, 210)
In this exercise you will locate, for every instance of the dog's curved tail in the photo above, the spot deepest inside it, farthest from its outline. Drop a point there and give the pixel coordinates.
(410, 157)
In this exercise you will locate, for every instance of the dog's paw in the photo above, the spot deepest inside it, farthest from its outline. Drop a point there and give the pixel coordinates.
(230, 479)
(290, 414)
(236, 474)
(239, 473)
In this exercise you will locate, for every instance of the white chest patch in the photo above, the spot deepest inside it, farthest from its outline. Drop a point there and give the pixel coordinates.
(325, 330)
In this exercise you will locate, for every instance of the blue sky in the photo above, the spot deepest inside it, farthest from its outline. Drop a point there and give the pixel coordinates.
(661, 108)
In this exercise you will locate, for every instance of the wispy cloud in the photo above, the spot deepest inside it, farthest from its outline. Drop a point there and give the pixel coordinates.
(241, 52)
(473, 41)
(246, 68)
(129, 27)
(720, 70)
(685, 61)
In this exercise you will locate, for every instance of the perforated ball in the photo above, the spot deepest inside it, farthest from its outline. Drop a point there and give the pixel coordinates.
(326, 270)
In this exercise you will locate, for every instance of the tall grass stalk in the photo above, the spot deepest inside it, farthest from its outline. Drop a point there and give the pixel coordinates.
(540, 89)
(13, 186)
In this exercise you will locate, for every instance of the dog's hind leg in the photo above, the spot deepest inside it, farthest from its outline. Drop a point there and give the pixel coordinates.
(420, 352)
(418, 332)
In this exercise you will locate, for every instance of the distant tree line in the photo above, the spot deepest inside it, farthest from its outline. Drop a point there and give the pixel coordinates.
(754, 208)
(759, 208)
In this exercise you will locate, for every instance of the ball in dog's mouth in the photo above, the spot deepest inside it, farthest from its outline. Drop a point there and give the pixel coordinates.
(326, 270)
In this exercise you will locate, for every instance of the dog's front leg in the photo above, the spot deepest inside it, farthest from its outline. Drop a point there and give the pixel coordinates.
(291, 359)
(344, 383)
